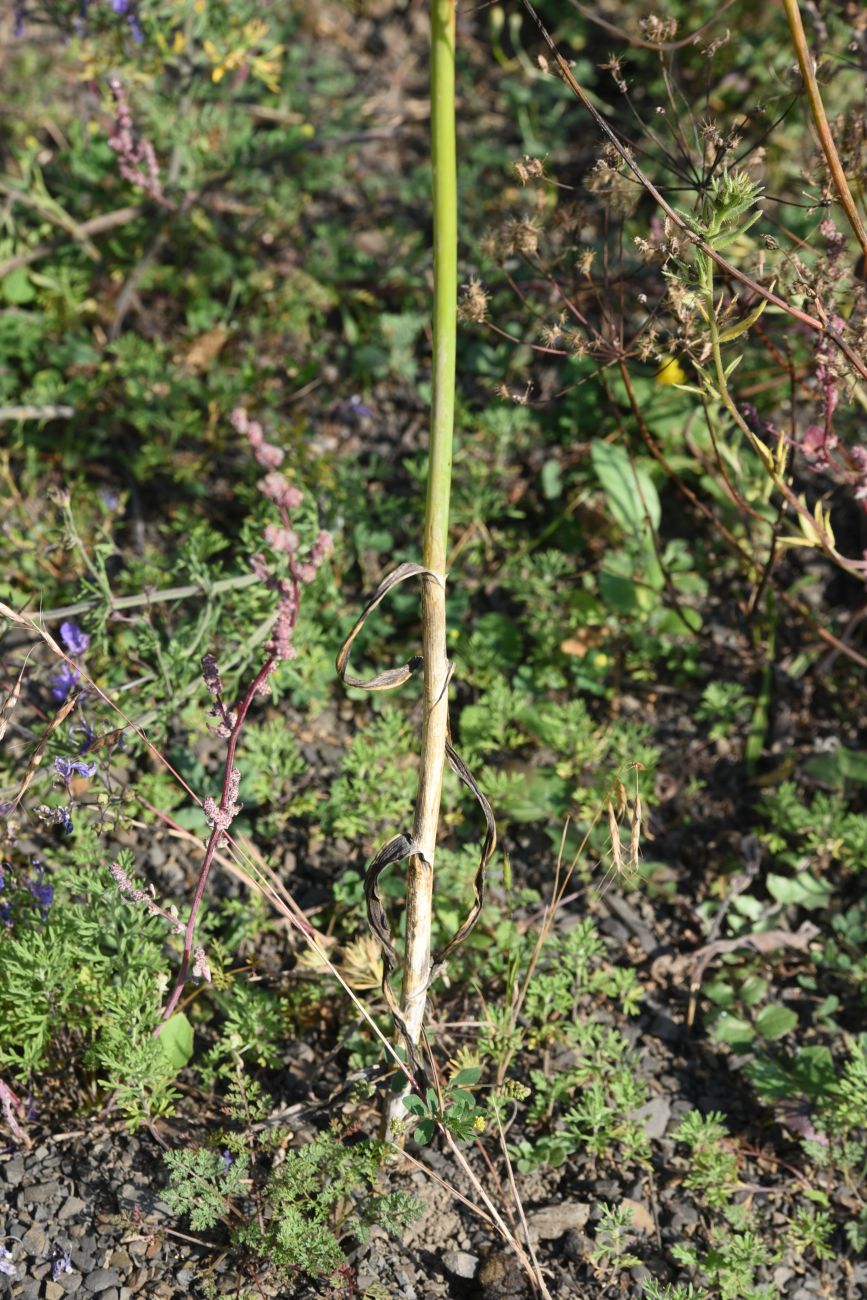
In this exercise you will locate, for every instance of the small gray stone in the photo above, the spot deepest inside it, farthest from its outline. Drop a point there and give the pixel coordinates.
(40, 1193)
(29, 1289)
(121, 1261)
(460, 1263)
(71, 1208)
(13, 1171)
(654, 1117)
(555, 1220)
(185, 1276)
(101, 1279)
(54, 1291)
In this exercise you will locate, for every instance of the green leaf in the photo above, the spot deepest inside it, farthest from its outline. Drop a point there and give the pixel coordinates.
(467, 1077)
(839, 766)
(16, 287)
(552, 480)
(629, 489)
(731, 1029)
(176, 1040)
(775, 1021)
(424, 1131)
(804, 890)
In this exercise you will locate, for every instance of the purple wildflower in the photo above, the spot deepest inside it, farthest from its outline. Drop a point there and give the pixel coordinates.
(75, 640)
(63, 682)
(228, 1161)
(63, 1264)
(65, 767)
(6, 1265)
(44, 894)
(55, 817)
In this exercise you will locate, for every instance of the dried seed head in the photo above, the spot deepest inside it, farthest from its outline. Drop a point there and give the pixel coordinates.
(659, 30)
(473, 307)
(525, 237)
(529, 169)
(615, 67)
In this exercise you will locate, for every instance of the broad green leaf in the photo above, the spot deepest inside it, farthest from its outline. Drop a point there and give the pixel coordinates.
(804, 890)
(16, 287)
(424, 1131)
(176, 1040)
(629, 489)
(467, 1077)
(775, 1022)
(731, 1029)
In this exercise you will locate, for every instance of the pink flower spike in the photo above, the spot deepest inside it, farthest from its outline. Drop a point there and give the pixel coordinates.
(269, 456)
(281, 539)
(278, 489)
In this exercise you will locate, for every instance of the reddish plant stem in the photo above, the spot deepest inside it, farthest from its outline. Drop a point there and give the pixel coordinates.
(217, 833)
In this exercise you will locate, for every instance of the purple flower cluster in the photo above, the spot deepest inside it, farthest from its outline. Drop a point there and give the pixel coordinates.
(136, 157)
(69, 767)
(18, 887)
(76, 642)
(61, 1265)
(56, 817)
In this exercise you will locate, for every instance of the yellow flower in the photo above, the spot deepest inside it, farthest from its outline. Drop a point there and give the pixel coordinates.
(670, 372)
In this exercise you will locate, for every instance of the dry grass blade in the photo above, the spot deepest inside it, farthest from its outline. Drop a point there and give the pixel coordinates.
(36, 757)
(10, 702)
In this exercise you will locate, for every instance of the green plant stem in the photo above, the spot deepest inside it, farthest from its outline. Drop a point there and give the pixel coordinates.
(419, 895)
(152, 597)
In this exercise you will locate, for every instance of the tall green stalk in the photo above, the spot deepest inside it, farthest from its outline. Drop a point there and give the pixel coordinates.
(416, 968)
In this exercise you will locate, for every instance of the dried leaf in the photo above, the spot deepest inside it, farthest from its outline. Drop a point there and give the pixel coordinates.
(10, 702)
(392, 677)
(765, 941)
